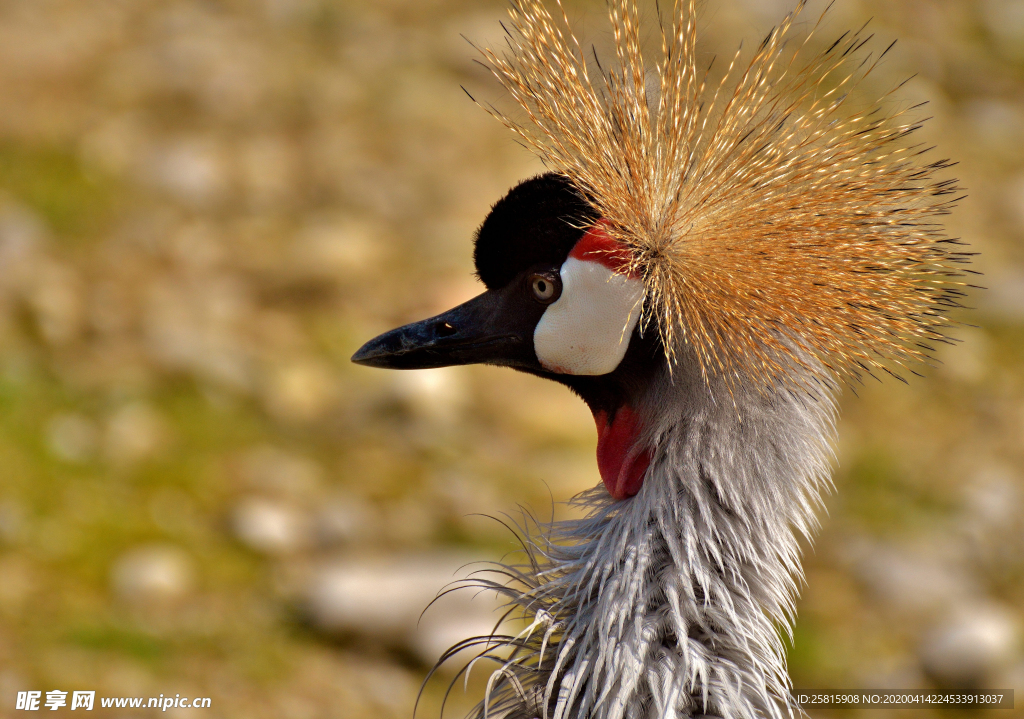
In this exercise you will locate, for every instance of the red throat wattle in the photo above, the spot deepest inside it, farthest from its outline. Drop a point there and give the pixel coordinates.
(620, 459)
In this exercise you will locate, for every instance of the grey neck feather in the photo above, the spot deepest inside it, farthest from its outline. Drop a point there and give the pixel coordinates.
(670, 604)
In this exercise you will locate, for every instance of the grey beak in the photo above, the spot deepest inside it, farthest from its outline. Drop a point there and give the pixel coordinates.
(478, 331)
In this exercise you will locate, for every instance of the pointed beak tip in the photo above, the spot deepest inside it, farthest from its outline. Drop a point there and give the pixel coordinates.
(367, 354)
(358, 357)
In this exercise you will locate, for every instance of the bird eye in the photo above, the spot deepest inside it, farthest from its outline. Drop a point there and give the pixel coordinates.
(546, 287)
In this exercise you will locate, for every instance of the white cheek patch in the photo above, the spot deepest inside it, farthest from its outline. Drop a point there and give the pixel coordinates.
(587, 330)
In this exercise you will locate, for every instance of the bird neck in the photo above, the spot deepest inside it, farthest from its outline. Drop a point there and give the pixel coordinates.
(672, 600)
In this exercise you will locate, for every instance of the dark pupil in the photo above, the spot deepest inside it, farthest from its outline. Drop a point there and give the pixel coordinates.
(542, 286)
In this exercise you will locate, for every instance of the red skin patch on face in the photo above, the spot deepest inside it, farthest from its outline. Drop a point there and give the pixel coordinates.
(621, 461)
(598, 246)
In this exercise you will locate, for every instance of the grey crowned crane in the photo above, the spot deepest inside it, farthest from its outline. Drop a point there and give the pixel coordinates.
(704, 265)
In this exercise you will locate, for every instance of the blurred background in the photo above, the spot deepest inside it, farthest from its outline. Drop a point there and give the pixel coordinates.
(207, 205)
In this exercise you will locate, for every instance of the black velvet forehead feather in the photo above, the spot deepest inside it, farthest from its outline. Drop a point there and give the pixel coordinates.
(537, 222)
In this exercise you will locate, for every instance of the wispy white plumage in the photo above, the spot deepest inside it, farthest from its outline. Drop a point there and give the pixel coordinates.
(669, 604)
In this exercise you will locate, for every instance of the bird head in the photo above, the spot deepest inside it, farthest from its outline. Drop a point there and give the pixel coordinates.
(765, 235)
(562, 302)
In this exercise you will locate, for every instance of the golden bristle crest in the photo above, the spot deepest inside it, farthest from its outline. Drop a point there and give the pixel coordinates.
(768, 219)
